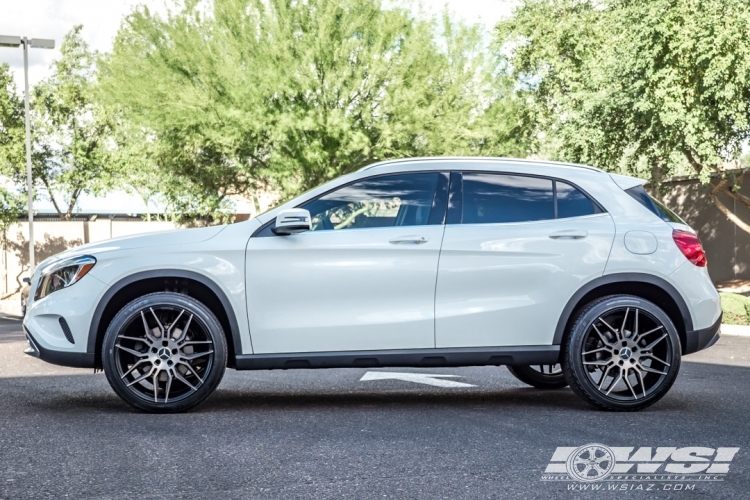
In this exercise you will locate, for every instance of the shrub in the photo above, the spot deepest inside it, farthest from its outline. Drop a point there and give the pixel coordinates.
(736, 309)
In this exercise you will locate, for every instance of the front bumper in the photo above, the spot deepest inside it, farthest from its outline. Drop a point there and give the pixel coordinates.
(697, 340)
(63, 358)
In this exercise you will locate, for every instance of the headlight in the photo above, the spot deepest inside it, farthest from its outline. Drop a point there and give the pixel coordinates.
(63, 274)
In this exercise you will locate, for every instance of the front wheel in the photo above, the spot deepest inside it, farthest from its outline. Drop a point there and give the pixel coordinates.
(622, 353)
(164, 352)
(540, 376)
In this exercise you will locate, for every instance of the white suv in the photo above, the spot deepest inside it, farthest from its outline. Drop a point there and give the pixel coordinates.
(564, 273)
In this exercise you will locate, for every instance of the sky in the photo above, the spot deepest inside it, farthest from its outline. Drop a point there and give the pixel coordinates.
(101, 19)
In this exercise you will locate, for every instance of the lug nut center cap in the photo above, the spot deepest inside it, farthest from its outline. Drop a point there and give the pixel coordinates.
(626, 353)
(164, 354)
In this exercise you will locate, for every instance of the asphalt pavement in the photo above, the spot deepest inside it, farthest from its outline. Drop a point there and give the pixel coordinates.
(328, 434)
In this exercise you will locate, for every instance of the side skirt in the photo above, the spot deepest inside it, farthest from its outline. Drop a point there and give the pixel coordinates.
(468, 356)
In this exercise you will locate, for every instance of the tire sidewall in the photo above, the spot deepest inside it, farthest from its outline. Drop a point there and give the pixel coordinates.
(165, 299)
(576, 373)
(529, 376)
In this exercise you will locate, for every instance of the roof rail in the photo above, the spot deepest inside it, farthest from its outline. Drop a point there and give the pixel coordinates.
(482, 158)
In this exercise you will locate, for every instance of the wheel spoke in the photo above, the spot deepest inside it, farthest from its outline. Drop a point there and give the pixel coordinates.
(131, 351)
(182, 379)
(627, 382)
(601, 336)
(652, 344)
(184, 331)
(161, 327)
(640, 378)
(596, 350)
(155, 381)
(614, 383)
(169, 385)
(191, 342)
(614, 330)
(624, 321)
(651, 356)
(137, 339)
(149, 333)
(133, 367)
(643, 335)
(604, 377)
(635, 329)
(196, 355)
(651, 370)
(598, 363)
(142, 377)
(169, 331)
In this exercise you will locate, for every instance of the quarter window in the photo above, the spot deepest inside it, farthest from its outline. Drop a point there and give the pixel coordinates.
(383, 201)
(571, 202)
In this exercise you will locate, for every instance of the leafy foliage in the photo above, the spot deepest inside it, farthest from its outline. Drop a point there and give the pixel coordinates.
(70, 129)
(243, 94)
(650, 87)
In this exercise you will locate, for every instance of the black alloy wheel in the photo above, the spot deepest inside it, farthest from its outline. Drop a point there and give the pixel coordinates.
(164, 352)
(622, 353)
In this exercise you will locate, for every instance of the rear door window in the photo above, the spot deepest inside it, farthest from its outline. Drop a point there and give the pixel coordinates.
(495, 198)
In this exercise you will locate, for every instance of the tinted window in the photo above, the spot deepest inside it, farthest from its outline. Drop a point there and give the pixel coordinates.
(384, 201)
(571, 202)
(656, 207)
(492, 198)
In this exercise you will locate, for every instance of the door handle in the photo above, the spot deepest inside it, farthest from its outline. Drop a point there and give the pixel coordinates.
(569, 234)
(412, 239)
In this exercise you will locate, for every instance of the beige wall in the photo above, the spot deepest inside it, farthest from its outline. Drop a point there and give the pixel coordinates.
(52, 237)
(727, 247)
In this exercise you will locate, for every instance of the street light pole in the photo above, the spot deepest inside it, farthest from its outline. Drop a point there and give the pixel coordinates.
(29, 180)
(15, 41)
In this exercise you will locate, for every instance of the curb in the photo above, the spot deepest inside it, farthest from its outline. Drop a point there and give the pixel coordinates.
(11, 308)
(735, 330)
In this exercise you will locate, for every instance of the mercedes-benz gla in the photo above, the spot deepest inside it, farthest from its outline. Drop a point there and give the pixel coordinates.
(566, 274)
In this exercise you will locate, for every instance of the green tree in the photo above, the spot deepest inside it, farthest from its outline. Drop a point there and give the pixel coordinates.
(71, 130)
(650, 87)
(243, 94)
(12, 147)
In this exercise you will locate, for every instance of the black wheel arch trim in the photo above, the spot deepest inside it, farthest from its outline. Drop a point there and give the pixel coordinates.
(609, 279)
(164, 273)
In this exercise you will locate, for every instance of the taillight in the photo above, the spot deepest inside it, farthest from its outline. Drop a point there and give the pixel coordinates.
(690, 246)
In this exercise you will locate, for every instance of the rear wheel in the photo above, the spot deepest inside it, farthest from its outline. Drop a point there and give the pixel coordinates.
(622, 353)
(164, 352)
(540, 376)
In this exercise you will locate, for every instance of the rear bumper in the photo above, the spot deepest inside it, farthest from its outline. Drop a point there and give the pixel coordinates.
(73, 359)
(697, 340)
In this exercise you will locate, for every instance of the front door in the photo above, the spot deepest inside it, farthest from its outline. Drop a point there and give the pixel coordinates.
(515, 249)
(362, 279)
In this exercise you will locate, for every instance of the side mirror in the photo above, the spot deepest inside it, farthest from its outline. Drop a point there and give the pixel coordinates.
(292, 221)
(27, 280)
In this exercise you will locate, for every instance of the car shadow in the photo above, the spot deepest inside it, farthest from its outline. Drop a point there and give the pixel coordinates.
(701, 388)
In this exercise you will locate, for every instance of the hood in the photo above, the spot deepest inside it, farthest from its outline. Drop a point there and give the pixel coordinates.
(157, 239)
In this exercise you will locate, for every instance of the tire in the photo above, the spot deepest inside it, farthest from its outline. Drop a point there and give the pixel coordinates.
(535, 376)
(622, 353)
(164, 353)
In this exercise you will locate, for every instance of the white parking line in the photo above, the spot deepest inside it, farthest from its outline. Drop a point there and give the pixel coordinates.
(419, 378)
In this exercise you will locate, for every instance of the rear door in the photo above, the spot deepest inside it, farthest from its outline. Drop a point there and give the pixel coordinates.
(515, 249)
